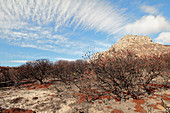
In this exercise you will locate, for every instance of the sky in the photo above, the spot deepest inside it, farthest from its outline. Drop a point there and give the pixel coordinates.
(67, 29)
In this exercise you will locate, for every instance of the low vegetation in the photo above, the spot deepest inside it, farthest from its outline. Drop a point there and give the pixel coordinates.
(122, 74)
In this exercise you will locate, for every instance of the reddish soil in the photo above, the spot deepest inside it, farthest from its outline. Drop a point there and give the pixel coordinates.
(157, 95)
(165, 98)
(138, 106)
(117, 99)
(154, 106)
(84, 97)
(109, 107)
(26, 85)
(152, 97)
(159, 85)
(92, 94)
(36, 86)
(16, 110)
(100, 102)
(116, 111)
(105, 97)
(166, 94)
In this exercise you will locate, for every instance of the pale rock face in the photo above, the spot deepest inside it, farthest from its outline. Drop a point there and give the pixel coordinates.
(130, 40)
(140, 45)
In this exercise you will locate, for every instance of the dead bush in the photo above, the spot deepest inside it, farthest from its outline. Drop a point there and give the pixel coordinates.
(38, 70)
(14, 76)
(68, 70)
(4, 74)
(123, 74)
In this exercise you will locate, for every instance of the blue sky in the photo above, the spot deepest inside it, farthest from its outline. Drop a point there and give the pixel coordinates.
(67, 29)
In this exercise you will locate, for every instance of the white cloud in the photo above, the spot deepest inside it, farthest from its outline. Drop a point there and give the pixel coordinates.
(18, 61)
(149, 9)
(66, 59)
(164, 38)
(148, 25)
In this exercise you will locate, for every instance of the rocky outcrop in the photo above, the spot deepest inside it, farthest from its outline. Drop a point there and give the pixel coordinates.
(140, 45)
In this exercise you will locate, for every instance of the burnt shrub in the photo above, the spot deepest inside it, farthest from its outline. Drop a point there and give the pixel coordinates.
(41, 69)
(61, 70)
(38, 69)
(9, 76)
(68, 70)
(123, 74)
(4, 74)
(14, 76)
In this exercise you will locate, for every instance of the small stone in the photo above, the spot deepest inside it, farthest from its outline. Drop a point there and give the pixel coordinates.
(35, 98)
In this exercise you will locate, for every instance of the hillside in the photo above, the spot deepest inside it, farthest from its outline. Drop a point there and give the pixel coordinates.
(122, 83)
(140, 45)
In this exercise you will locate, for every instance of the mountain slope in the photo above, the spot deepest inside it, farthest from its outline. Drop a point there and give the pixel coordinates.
(140, 45)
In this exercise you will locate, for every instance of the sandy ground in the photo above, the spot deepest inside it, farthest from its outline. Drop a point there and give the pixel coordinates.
(57, 98)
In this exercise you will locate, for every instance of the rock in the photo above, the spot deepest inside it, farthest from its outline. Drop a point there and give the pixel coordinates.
(65, 108)
(140, 45)
(130, 40)
(35, 98)
(16, 100)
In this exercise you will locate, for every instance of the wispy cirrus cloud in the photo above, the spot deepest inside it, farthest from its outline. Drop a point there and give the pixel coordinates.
(149, 9)
(96, 15)
(40, 23)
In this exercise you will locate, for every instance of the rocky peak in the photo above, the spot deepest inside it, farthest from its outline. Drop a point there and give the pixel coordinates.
(136, 38)
(140, 45)
(131, 40)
